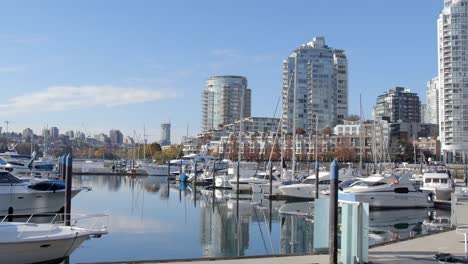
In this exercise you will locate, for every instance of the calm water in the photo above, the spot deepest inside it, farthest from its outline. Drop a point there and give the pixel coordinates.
(153, 219)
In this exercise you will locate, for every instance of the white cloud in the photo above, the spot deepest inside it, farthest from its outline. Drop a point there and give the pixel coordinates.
(61, 98)
(10, 69)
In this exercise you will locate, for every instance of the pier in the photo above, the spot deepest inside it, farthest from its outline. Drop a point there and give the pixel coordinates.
(418, 250)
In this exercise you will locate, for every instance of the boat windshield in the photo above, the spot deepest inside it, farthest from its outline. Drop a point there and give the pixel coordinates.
(266, 177)
(309, 181)
(367, 183)
(6, 178)
(347, 183)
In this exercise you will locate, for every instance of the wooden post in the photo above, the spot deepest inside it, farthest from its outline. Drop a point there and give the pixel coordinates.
(68, 188)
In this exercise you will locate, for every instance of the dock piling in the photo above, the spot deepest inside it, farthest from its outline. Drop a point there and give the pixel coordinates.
(271, 179)
(68, 188)
(238, 176)
(333, 240)
(317, 165)
(214, 176)
(168, 170)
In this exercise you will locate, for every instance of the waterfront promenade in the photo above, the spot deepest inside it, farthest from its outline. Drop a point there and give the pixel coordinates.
(419, 250)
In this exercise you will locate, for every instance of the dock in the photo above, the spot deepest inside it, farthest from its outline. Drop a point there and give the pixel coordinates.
(418, 250)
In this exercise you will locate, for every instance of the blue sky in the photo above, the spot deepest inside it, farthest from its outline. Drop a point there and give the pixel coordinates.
(148, 60)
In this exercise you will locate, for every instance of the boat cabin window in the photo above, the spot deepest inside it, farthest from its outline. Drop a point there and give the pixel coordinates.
(48, 186)
(324, 182)
(401, 190)
(443, 180)
(435, 180)
(427, 181)
(309, 181)
(6, 178)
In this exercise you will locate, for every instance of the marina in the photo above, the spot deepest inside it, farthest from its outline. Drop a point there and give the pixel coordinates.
(193, 132)
(150, 212)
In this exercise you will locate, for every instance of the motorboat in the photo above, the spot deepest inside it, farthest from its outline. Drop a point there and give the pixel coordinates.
(25, 167)
(31, 197)
(25, 242)
(252, 184)
(246, 170)
(438, 181)
(306, 189)
(286, 178)
(386, 192)
(185, 163)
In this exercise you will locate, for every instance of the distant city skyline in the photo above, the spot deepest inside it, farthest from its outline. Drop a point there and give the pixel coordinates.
(95, 66)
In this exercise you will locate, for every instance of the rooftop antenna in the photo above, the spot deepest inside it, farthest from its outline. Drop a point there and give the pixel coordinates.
(7, 124)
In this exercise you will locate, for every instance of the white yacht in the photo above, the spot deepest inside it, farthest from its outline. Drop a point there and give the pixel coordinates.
(437, 180)
(188, 161)
(24, 166)
(39, 243)
(252, 184)
(246, 170)
(306, 189)
(386, 192)
(286, 178)
(27, 198)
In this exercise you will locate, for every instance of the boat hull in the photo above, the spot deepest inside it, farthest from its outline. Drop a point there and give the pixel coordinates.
(389, 200)
(301, 190)
(39, 251)
(33, 202)
(440, 194)
(160, 170)
(223, 182)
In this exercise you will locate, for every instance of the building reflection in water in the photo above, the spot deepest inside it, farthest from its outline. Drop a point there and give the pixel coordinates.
(221, 233)
(296, 228)
(239, 227)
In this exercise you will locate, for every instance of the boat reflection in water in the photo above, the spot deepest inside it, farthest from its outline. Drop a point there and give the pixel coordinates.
(154, 212)
(389, 225)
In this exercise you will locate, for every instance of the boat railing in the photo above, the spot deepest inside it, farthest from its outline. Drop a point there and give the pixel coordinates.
(90, 222)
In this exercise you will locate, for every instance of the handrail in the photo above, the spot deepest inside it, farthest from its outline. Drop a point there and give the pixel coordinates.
(93, 226)
(462, 229)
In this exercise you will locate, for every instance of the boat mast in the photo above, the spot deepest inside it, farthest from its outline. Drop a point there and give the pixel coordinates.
(239, 154)
(46, 135)
(361, 134)
(293, 166)
(374, 145)
(316, 139)
(144, 142)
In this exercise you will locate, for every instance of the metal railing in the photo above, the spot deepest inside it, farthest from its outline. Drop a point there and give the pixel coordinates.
(99, 222)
